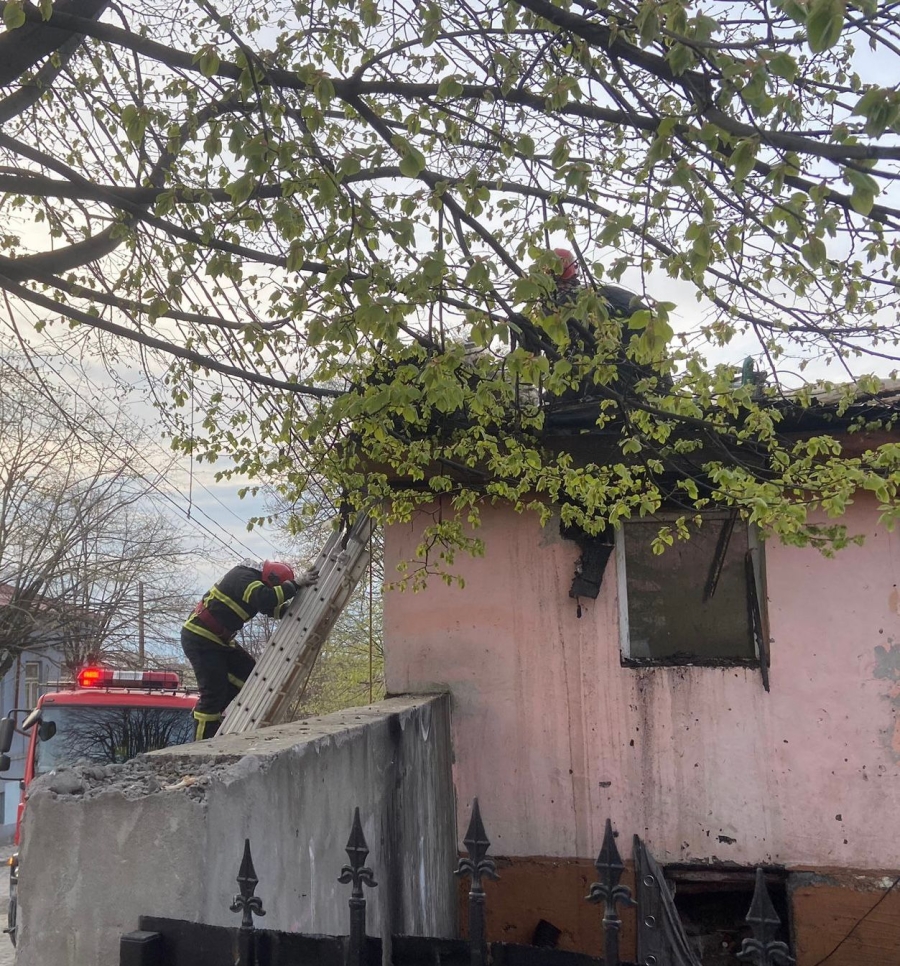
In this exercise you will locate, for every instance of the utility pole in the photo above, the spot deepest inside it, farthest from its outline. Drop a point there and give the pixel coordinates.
(140, 623)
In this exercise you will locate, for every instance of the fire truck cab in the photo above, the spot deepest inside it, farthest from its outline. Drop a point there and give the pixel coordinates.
(106, 717)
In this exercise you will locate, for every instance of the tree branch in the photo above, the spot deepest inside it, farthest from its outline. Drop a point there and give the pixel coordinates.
(196, 358)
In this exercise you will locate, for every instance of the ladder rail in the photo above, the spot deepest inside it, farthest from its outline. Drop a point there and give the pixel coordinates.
(283, 670)
(296, 668)
(300, 671)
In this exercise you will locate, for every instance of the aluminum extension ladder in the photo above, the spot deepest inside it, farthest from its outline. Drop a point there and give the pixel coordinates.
(281, 673)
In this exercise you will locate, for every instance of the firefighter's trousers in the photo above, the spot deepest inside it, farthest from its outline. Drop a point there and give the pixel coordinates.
(221, 671)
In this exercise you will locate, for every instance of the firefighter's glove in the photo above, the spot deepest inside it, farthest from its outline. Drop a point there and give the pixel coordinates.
(309, 578)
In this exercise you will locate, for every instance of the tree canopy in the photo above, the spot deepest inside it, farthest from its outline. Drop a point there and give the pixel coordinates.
(329, 227)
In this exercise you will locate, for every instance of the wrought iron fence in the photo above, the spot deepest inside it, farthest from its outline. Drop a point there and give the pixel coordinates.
(660, 937)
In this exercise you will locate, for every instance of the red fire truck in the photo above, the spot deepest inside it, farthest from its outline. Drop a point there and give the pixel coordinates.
(105, 717)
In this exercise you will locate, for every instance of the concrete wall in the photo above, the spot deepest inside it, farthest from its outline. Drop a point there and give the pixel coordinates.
(553, 734)
(163, 835)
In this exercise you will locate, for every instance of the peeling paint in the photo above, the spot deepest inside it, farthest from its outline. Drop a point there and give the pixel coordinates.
(887, 668)
(887, 662)
(842, 880)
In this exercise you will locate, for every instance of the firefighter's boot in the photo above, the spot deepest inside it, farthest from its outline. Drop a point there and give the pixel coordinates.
(207, 725)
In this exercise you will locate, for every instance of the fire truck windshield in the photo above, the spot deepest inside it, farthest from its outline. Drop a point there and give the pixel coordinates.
(106, 734)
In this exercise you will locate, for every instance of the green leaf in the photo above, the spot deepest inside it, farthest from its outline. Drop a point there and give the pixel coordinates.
(208, 61)
(640, 319)
(871, 99)
(241, 189)
(880, 107)
(13, 14)
(525, 289)
(324, 91)
(680, 58)
(824, 24)
(525, 145)
(647, 22)
(350, 164)
(865, 190)
(295, 258)
(479, 275)
(560, 153)
(657, 334)
(432, 26)
(794, 9)
(814, 252)
(449, 87)
(46, 8)
(660, 149)
(133, 122)
(369, 11)
(783, 65)
(698, 234)
(743, 158)
(412, 164)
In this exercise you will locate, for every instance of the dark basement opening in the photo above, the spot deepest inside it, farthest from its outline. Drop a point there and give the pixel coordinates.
(713, 906)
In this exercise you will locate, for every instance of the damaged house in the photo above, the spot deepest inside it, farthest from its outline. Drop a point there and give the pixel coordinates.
(732, 703)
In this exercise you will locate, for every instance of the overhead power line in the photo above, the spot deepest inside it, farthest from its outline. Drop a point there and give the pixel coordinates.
(198, 525)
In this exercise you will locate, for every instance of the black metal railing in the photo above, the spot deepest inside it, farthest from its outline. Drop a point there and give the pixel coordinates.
(477, 866)
(359, 874)
(763, 949)
(660, 937)
(248, 905)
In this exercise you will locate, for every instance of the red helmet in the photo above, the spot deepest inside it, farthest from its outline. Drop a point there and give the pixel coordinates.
(569, 264)
(275, 573)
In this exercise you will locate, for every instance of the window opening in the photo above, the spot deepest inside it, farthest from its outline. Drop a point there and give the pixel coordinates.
(699, 602)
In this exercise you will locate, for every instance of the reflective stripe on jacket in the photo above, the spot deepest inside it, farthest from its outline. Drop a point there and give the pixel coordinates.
(235, 599)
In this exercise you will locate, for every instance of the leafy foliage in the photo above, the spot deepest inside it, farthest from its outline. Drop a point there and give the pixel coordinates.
(333, 221)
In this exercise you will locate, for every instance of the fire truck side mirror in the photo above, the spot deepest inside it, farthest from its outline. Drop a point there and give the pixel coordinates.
(5, 762)
(7, 730)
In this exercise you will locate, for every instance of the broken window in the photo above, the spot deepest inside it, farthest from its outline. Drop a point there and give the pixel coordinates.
(700, 602)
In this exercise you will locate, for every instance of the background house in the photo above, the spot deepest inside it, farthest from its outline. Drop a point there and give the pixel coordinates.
(20, 688)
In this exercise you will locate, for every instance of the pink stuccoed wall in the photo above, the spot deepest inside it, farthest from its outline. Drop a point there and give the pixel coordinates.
(553, 734)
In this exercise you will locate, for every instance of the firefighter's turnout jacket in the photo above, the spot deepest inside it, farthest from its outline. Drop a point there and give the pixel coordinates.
(220, 664)
(235, 599)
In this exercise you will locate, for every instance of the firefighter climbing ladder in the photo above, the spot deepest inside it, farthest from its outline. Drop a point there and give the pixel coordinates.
(280, 675)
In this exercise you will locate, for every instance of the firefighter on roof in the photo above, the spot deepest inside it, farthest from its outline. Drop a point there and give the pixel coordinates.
(220, 664)
(620, 303)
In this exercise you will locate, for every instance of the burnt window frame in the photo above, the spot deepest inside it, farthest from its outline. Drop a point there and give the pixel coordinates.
(757, 597)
